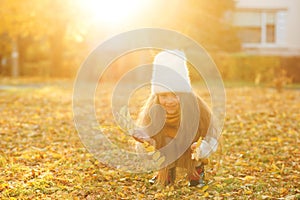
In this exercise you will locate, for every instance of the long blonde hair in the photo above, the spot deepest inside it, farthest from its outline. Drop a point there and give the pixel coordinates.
(152, 118)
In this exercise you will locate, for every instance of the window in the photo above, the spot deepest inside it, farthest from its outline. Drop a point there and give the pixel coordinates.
(250, 34)
(260, 27)
(270, 27)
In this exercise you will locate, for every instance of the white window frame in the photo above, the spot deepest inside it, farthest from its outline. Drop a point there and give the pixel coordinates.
(280, 31)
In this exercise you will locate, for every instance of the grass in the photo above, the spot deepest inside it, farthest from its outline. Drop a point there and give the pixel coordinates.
(42, 156)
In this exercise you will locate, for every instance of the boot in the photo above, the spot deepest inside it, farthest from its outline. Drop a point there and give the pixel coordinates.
(153, 180)
(198, 181)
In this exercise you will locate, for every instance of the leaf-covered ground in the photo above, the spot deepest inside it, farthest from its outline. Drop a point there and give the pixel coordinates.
(42, 157)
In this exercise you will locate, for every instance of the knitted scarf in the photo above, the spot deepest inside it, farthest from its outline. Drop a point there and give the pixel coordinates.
(172, 123)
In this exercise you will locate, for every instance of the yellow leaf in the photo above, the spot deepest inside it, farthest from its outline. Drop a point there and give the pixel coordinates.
(199, 142)
(248, 192)
(282, 168)
(241, 125)
(161, 160)
(274, 138)
(249, 178)
(145, 144)
(156, 155)
(123, 111)
(275, 168)
(265, 197)
(4, 185)
(203, 189)
(158, 195)
(206, 194)
(121, 194)
(283, 190)
(150, 148)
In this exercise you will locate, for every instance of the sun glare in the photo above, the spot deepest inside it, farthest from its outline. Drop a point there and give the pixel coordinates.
(112, 12)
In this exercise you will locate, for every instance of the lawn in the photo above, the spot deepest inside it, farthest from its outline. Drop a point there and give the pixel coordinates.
(42, 157)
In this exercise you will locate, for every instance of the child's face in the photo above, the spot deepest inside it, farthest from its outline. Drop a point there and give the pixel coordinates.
(169, 101)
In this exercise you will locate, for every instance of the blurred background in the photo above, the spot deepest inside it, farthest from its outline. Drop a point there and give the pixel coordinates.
(256, 41)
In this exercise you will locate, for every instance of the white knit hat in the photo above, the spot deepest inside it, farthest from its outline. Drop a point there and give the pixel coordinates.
(170, 73)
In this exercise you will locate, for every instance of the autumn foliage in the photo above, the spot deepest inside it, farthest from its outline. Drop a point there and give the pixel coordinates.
(42, 156)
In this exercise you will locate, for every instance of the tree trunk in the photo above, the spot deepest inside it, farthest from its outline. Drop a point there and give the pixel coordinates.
(57, 50)
(15, 58)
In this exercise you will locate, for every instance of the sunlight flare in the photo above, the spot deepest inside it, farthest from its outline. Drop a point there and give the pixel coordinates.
(112, 12)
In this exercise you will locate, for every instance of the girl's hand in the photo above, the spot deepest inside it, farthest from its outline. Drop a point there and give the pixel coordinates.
(204, 149)
(141, 136)
(193, 146)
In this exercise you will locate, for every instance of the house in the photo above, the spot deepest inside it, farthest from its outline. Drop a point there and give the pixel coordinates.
(268, 27)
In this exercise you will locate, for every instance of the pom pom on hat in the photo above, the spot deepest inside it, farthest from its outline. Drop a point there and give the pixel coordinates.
(170, 73)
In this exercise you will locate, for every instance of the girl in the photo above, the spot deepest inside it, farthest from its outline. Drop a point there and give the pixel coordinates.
(173, 92)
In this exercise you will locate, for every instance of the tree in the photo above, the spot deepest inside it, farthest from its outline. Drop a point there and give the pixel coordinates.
(57, 24)
(16, 23)
(206, 21)
(47, 20)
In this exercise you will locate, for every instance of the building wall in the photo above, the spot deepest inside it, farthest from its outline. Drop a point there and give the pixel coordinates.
(293, 26)
(271, 4)
(287, 25)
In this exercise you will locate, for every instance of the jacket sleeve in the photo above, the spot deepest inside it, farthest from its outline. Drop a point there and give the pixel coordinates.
(207, 147)
(208, 131)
